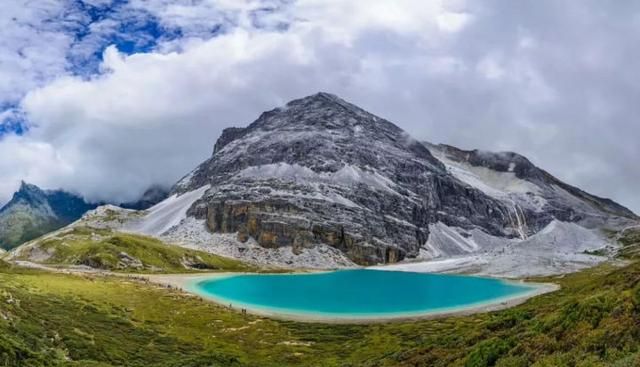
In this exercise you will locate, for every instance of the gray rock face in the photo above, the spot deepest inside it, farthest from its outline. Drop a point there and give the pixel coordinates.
(321, 170)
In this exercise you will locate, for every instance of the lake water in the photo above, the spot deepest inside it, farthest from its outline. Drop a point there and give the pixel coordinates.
(358, 293)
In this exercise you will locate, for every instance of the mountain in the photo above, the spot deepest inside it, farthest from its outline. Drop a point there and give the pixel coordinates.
(149, 198)
(33, 212)
(322, 183)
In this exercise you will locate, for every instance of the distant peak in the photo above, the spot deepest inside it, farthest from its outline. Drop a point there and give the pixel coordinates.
(321, 97)
(327, 96)
(27, 187)
(27, 192)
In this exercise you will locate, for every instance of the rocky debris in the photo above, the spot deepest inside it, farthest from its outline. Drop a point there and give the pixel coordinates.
(196, 262)
(110, 217)
(192, 233)
(558, 248)
(37, 254)
(125, 261)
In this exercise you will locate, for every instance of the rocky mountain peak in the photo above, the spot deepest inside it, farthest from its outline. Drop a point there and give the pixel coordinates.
(322, 110)
(27, 188)
(34, 211)
(318, 112)
(322, 170)
(497, 161)
(28, 193)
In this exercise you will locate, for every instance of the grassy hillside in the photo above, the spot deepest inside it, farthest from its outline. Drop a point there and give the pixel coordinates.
(105, 249)
(61, 320)
(19, 226)
(630, 241)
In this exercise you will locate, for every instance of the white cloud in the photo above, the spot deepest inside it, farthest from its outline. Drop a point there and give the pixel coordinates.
(478, 74)
(151, 117)
(29, 160)
(30, 53)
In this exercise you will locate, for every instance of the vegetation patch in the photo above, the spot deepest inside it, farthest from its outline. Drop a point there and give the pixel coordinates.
(108, 250)
(630, 240)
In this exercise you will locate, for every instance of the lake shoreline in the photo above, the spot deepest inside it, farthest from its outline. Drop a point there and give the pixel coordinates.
(185, 282)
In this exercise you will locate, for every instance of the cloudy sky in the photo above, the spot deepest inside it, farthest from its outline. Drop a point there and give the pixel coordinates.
(106, 97)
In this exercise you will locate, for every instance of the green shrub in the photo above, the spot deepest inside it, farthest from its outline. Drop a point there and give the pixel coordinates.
(513, 361)
(487, 352)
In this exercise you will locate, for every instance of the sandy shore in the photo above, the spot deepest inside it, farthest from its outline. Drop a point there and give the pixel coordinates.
(185, 282)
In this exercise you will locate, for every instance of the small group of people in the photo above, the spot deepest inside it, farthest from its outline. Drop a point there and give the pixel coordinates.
(242, 310)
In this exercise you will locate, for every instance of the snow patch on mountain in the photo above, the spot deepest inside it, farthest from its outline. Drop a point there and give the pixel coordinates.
(559, 248)
(166, 214)
(494, 183)
(499, 185)
(347, 175)
(445, 241)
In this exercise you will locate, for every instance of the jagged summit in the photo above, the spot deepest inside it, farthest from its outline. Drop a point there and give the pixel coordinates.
(27, 192)
(325, 104)
(324, 101)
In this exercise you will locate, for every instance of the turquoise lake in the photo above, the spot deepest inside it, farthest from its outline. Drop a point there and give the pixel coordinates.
(358, 293)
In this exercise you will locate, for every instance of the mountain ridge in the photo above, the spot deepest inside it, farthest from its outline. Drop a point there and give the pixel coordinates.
(32, 212)
(475, 157)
